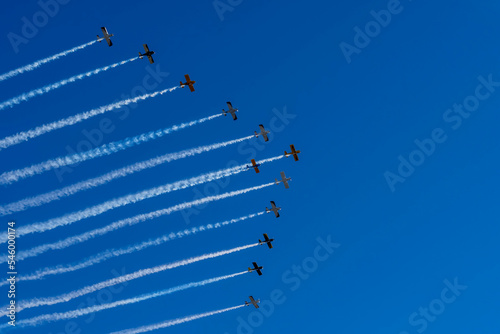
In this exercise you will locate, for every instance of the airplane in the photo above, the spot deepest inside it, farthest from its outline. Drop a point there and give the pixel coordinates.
(256, 268)
(293, 152)
(284, 179)
(254, 166)
(252, 302)
(106, 36)
(188, 83)
(266, 241)
(274, 209)
(147, 54)
(263, 132)
(231, 111)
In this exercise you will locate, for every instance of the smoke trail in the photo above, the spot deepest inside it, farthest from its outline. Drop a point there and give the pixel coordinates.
(106, 149)
(125, 200)
(55, 195)
(70, 241)
(112, 253)
(169, 323)
(96, 308)
(38, 131)
(40, 91)
(40, 62)
(36, 302)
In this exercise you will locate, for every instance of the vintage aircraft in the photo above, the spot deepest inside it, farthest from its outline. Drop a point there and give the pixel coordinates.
(231, 111)
(252, 302)
(266, 241)
(147, 54)
(293, 152)
(188, 83)
(254, 166)
(106, 36)
(263, 132)
(256, 268)
(274, 209)
(284, 179)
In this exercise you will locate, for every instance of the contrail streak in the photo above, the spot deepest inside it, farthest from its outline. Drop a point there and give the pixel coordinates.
(70, 241)
(97, 308)
(45, 89)
(40, 62)
(36, 302)
(41, 130)
(67, 191)
(106, 149)
(112, 253)
(169, 323)
(123, 201)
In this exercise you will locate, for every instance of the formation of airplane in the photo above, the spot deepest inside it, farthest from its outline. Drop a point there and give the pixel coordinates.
(106, 36)
(284, 179)
(274, 209)
(231, 111)
(147, 54)
(263, 132)
(293, 152)
(256, 268)
(252, 302)
(254, 166)
(188, 83)
(266, 241)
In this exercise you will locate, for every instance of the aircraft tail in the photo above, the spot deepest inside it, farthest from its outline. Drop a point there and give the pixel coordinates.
(99, 39)
(276, 181)
(287, 154)
(224, 112)
(256, 134)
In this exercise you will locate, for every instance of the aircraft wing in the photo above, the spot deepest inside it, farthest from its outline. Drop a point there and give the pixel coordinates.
(104, 31)
(191, 87)
(145, 47)
(259, 272)
(151, 59)
(266, 237)
(229, 105)
(187, 78)
(234, 116)
(109, 41)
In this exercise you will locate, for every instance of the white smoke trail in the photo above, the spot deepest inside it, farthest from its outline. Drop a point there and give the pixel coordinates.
(169, 323)
(70, 241)
(36, 302)
(38, 131)
(112, 253)
(123, 201)
(97, 308)
(40, 91)
(106, 149)
(67, 191)
(40, 62)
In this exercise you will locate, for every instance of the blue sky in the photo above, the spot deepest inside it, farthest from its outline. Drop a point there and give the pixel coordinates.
(352, 121)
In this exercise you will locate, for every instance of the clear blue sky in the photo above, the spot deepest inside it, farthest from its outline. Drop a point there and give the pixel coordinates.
(353, 120)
